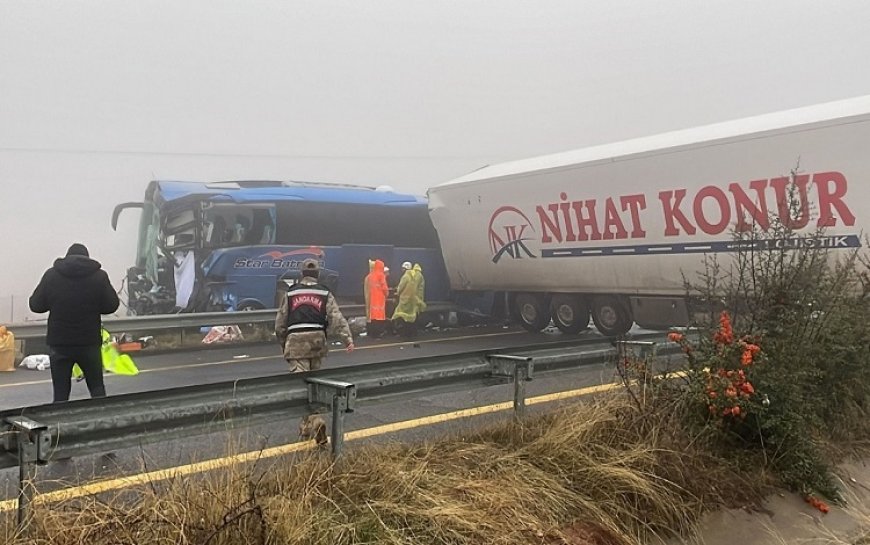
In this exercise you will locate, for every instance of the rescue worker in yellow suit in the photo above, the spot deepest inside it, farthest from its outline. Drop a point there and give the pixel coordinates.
(306, 315)
(410, 303)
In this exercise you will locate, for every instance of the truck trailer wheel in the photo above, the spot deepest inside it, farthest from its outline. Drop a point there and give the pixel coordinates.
(570, 313)
(611, 315)
(532, 311)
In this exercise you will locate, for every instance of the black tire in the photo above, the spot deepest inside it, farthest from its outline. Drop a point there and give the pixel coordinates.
(570, 313)
(532, 311)
(611, 315)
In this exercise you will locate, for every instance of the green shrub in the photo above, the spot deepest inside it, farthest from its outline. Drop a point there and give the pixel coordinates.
(781, 370)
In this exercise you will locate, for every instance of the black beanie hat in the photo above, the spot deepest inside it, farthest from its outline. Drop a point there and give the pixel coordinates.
(78, 249)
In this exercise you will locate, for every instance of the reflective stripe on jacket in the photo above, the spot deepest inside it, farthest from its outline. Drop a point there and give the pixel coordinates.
(306, 308)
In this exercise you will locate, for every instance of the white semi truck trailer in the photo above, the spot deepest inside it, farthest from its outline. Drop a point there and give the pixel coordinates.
(610, 231)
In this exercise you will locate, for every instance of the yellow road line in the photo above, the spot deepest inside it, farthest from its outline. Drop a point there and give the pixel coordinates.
(220, 463)
(278, 355)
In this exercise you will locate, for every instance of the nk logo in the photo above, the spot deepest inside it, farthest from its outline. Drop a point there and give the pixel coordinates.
(509, 232)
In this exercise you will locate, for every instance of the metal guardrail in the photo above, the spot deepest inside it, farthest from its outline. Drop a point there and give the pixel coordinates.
(39, 434)
(37, 330)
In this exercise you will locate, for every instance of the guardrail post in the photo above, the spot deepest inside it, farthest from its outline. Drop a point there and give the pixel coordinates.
(520, 369)
(32, 444)
(643, 349)
(340, 397)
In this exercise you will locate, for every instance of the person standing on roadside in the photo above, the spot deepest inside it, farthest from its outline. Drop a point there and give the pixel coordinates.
(376, 301)
(306, 315)
(75, 292)
(408, 305)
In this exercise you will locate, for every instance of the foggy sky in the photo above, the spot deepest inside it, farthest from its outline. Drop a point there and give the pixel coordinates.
(99, 97)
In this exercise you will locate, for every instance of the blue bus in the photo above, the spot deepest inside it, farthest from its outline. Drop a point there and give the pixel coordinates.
(225, 246)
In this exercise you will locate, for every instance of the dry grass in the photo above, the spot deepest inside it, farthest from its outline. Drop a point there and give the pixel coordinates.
(592, 473)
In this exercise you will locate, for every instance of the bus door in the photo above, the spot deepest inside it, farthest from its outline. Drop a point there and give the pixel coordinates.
(353, 266)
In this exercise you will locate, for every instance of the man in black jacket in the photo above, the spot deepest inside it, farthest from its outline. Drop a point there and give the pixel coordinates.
(75, 292)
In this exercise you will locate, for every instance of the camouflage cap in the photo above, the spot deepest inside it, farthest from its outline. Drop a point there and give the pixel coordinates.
(310, 265)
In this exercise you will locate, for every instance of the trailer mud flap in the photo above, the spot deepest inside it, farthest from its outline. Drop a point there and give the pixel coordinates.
(659, 312)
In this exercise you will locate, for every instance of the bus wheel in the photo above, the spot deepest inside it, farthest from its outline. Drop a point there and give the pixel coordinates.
(611, 315)
(570, 313)
(532, 311)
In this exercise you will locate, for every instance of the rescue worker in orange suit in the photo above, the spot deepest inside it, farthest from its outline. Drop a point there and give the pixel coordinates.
(376, 299)
(305, 317)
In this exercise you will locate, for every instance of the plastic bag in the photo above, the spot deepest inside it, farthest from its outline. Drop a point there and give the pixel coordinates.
(40, 362)
(113, 361)
(222, 334)
(357, 325)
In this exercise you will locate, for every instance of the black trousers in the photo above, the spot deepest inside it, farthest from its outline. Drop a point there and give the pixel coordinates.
(377, 328)
(90, 360)
(406, 330)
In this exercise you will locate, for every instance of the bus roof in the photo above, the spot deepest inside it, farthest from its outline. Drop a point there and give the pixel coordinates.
(267, 191)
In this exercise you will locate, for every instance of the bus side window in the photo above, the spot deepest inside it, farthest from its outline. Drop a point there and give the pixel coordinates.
(268, 236)
(263, 230)
(240, 230)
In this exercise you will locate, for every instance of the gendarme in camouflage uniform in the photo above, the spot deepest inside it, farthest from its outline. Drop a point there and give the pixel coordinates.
(306, 315)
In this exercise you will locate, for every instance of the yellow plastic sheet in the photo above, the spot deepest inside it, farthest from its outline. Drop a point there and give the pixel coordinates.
(113, 361)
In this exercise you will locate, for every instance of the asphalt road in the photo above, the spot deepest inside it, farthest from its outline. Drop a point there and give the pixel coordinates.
(23, 388)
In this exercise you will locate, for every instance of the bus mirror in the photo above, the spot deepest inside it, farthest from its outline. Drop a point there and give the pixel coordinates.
(120, 208)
